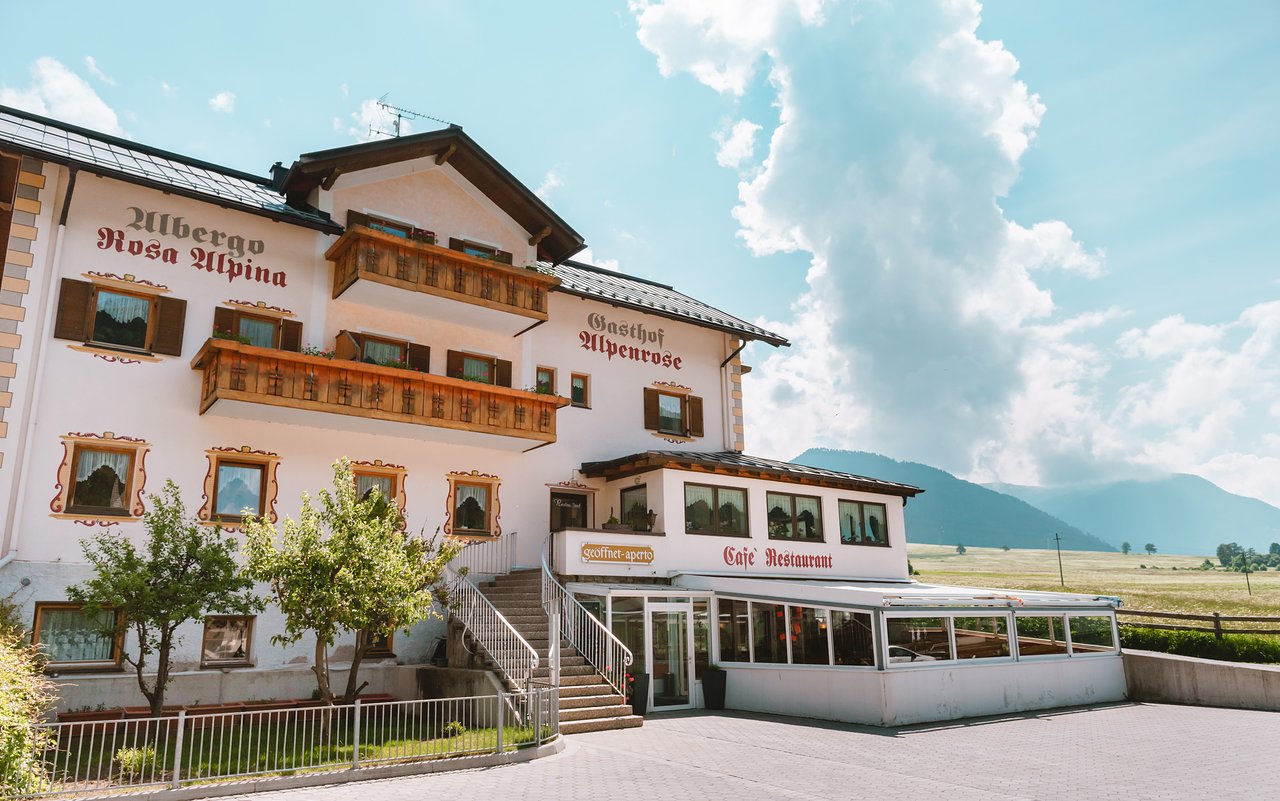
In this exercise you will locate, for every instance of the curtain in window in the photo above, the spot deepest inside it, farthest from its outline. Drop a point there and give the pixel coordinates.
(382, 352)
(808, 518)
(670, 418)
(365, 483)
(697, 508)
(121, 320)
(472, 506)
(100, 478)
(260, 333)
(123, 308)
(70, 635)
(477, 370)
(732, 511)
(877, 530)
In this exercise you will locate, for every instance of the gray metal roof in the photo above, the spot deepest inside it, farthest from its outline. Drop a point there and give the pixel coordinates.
(651, 297)
(118, 158)
(732, 461)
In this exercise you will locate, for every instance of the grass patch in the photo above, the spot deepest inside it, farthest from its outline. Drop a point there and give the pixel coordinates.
(1231, 648)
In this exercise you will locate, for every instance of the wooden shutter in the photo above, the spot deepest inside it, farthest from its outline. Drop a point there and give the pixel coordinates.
(502, 373)
(651, 409)
(73, 310)
(457, 244)
(419, 357)
(171, 317)
(693, 416)
(453, 364)
(348, 346)
(290, 335)
(225, 319)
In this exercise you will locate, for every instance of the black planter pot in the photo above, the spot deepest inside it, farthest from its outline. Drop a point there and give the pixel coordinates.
(713, 686)
(640, 693)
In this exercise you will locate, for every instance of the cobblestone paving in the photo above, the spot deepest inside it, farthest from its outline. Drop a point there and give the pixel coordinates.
(1128, 751)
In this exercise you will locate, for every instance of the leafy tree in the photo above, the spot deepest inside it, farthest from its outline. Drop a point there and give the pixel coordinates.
(1274, 550)
(1149, 548)
(346, 566)
(1125, 548)
(1206, 565)
(1006, 548)
(25, 694)
(1228, 552)
(960, 549)
(183, 571)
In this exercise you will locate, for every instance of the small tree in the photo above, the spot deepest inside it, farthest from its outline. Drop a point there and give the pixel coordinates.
(960, 549)
(347, 566)
(1274, 550)
(1125, 548)
(183, 571)
(24, 696)
(1150, 548)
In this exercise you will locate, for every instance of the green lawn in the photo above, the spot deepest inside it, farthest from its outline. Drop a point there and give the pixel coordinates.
(1168, 583)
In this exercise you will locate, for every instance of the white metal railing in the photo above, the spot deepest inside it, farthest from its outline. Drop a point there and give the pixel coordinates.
(101, 757)
(488, 558)
(584, 631)
(512, 655)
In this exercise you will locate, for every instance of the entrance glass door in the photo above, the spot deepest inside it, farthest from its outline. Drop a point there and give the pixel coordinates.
(670, 665)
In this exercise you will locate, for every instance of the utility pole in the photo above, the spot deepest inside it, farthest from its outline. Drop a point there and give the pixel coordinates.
(1057, 542)
(1246, 578)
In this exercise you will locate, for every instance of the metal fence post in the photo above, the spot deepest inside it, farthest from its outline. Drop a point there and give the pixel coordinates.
(355, 737)
(537, 716)
(177, 749)
(554, 632)
(502, 702)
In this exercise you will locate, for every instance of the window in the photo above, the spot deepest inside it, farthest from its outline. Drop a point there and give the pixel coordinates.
(480, 250)
(981, 637)
(794, 517)
(715, 510)
(120, 314)
(258, 330)
(808, 631)
(102, 480)
(1040, 635)
(72, 638)
(568, 510)
(769, 632)
(388, 226)
(580, 390)
(545, 382)
(918, 639)
(227, 639)
(473, 505)
(481, 369)
(635, 507)
(1091, 634)
(382, 351)
(238, 489)
(851, 639)
(370, 349)
(672, 414)
(735, 643)
(863, 524)
(378, 645)
(366, 483)
(387, 479)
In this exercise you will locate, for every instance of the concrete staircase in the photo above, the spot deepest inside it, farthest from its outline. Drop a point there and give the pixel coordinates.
(587, 701)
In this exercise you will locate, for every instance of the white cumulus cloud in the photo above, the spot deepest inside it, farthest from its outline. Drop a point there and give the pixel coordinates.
(372, 121)
(224, 102)
(736, 144)
(56, 91)
(550, 182)
(91, 64)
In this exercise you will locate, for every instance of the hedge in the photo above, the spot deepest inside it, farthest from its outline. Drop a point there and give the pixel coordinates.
(1231, 648)
(24, 695)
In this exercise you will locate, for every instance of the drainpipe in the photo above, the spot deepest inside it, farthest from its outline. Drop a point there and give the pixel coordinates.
(53, 262)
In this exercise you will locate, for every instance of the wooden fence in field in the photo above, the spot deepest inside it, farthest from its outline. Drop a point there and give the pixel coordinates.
(1215, 620)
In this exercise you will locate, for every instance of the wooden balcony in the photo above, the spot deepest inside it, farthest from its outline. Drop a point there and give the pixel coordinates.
(367, 392)
(489, 294)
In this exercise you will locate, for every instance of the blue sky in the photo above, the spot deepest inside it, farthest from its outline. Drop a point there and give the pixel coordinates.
(1033, 242)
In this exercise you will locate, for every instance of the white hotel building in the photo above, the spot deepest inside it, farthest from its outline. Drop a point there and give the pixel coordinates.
(411, 305)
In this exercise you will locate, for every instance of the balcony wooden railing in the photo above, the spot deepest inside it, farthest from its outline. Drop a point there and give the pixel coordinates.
(362, 252)
(233, 371)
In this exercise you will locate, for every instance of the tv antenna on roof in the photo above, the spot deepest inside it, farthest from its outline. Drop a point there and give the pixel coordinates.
(401, 114)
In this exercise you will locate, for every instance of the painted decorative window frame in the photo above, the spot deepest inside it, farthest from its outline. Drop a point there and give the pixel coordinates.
(127, 284)
(66, 481)
(474, 478)
(271, 489)
(397, 473)
(117, 646)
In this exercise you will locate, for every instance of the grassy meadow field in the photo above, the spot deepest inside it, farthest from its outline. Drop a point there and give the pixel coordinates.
(1168, 583)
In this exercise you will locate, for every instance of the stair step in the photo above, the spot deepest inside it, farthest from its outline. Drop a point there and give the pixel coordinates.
(601, 724)
(584, 690)
(565, 670)
(580, 701)
(595, 712)
(591, 678)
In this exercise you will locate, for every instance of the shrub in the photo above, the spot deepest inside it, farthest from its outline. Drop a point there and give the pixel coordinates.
(134, 765)
(24, 695)
(1231, 648)
(454, 729)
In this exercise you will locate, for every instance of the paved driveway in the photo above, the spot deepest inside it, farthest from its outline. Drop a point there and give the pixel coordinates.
(1127, 751)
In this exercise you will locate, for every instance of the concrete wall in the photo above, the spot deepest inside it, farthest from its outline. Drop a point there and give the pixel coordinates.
(922, 695)
(1204, 682)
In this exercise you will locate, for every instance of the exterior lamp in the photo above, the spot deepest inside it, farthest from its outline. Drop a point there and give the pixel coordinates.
(653, 518)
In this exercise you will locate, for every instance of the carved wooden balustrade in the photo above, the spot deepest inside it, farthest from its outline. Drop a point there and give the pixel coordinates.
(363, 253)
(234, 371)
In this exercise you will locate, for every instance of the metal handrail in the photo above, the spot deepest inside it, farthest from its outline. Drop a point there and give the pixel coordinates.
(488, 558)
(512, 655)
(584, 631)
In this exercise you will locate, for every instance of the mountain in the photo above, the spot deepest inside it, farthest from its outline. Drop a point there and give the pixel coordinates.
(1176, 513)
(953, 511)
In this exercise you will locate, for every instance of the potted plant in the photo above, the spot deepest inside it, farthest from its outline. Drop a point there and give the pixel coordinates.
(613, 524)
(713, 686)
(638, 691)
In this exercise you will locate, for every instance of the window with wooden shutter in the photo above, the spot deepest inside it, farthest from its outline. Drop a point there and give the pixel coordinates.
(119, 315)
(259, 330)
(673, 413)
(479, 250)
(481, 369)
(419, 358)
(73, 310)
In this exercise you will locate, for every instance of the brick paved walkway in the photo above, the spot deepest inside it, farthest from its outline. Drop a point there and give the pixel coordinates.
(1131, 752)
